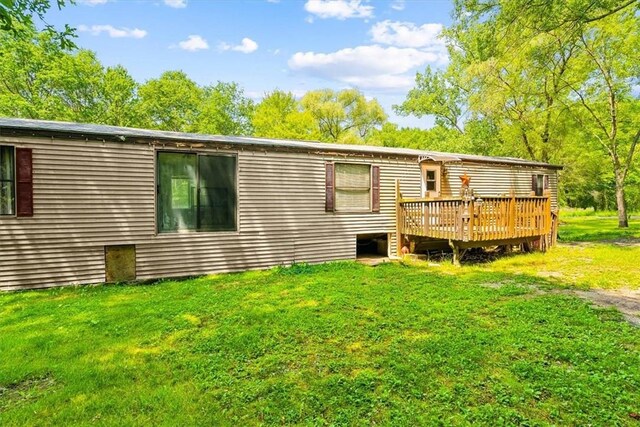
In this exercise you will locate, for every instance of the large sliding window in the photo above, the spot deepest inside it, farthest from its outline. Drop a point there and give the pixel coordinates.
(196, 192)
(7, 181)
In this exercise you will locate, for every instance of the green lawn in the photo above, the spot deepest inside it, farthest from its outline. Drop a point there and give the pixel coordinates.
(593, 253)
(597, 229)
(339, 344)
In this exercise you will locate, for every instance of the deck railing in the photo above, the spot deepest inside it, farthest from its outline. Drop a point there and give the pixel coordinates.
(486, 219)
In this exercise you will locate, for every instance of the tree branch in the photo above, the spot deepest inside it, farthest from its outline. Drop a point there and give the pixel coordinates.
(610, 12)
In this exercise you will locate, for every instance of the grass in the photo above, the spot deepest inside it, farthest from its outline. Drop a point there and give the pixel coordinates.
(593, 253)
(602, 229)
(338, 344)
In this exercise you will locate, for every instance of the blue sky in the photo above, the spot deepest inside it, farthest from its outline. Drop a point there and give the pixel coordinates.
(294, 45)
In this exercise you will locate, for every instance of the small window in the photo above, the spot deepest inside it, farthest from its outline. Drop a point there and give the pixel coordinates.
(7, 181)
(430, 180)
(538, 185)
(352, 187)
(196, 192)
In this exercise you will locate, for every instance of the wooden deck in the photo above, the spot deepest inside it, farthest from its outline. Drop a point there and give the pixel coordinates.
(480, 222)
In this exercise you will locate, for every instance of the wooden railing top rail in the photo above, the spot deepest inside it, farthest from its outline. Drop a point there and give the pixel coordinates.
(460, 199)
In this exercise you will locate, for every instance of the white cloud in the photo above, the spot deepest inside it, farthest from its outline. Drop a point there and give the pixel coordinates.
(397, 5)
(177, 4)
(338, 9)
(407, 34)
(246, 46)
(112, 31)
(93, 2)
(366, 66)
(194, 43)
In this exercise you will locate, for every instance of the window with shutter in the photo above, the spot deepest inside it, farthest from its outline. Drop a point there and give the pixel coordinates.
(7, 181)
(352, 187)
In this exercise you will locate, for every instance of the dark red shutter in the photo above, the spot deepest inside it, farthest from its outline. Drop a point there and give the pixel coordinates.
(24, 182)
(546, 182)
(329, 205)
(534, 179)
(375, 188)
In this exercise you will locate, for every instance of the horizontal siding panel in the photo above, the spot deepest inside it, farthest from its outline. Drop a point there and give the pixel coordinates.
(88, 194)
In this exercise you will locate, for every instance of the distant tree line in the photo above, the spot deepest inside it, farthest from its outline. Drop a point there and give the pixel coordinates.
(552, 81)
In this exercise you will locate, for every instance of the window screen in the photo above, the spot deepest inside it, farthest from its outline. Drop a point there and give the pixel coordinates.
(196, 192)
(217, 193)
(7, 181)
(352, 187)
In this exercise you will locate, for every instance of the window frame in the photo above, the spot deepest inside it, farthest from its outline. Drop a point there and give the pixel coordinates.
(540, 181)
(437, 169)
(216, 153)
(369, 209)
(14, 181)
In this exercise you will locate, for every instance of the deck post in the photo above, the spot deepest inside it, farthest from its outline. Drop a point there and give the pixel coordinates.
(398, 220)
(472, 215)
(512, 215)
(456, 253)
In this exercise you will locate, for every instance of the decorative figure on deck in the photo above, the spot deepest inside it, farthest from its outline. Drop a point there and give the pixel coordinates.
(465, 191)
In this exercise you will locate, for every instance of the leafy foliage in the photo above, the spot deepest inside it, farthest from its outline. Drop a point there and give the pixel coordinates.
(552, 81)
(344, 116)
(45, 81)
(17, 16)
(170, 102)
(280, 115)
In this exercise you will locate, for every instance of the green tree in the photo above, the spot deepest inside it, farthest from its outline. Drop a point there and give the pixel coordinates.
(171, 102)
(17, 17)
(120, 95)
(24, 61)
(224, 110)
(280, 115)
(344, 116)
(42, 80)
(604, 103)
(439, 94)
(541, 78)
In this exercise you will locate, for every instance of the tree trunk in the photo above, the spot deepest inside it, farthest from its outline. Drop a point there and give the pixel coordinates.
(623, 221)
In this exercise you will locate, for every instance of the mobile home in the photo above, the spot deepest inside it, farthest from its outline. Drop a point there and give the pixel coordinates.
(85, 203)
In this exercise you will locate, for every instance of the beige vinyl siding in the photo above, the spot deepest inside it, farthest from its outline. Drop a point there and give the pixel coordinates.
(495, 180)
(281, 218)
(88, 195)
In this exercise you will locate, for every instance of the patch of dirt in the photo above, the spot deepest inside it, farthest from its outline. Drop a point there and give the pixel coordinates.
(23, 391)
(372, 260)
(632, 242)
(624, 242)
(627, 301)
